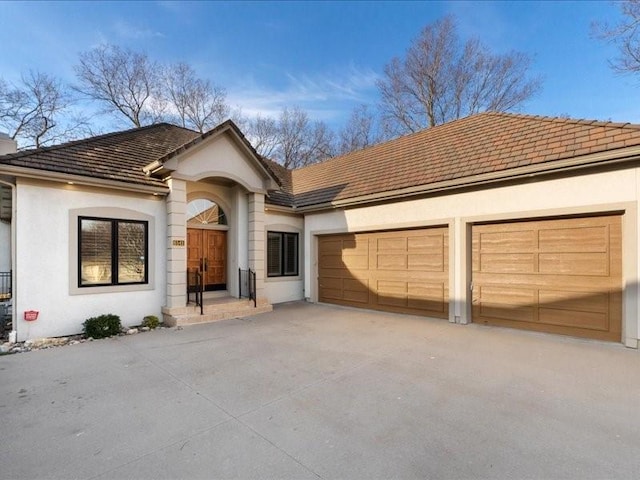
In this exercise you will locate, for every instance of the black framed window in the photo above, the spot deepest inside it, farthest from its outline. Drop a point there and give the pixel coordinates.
(282, 254)
(112, 252)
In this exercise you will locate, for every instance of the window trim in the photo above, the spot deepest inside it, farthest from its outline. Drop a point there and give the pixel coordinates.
(108, 213)
(115, 251)
(283, 254)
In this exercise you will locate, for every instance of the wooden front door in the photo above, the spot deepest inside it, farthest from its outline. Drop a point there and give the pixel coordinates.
(207, 253)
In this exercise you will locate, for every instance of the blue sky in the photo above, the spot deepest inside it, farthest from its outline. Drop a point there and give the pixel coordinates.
(324, 56)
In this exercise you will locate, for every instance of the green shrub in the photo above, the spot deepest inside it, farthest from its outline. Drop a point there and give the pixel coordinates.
(150, 321)
(102, 326)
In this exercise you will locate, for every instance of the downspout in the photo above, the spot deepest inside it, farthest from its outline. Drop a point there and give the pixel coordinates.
(13, 335)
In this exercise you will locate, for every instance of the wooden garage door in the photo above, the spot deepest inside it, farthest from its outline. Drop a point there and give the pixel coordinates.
(561, 276)
(400, 271)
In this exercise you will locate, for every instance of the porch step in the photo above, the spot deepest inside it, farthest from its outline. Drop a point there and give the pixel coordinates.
(214, 310)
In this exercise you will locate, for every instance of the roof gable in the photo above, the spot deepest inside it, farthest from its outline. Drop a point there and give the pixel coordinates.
(222, 151)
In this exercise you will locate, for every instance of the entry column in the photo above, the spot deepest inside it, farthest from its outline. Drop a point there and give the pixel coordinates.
(176, 244)
(256, 243)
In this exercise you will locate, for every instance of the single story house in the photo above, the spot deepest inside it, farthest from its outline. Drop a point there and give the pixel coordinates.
(501, 219)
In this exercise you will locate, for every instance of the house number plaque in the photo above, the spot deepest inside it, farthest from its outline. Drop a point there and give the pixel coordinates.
(178, 243)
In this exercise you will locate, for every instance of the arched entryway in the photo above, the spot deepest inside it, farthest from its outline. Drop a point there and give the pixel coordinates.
(221, 166)
(207, 244)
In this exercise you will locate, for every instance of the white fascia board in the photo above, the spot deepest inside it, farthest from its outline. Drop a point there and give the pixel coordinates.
(80, 180)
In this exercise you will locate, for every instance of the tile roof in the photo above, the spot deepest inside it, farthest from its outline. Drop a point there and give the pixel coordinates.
(121, 156)
(482, 143)
(283, 197)
(118, 156)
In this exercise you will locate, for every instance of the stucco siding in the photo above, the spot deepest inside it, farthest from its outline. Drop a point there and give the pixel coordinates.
(286, 289)
(588, 193)
(44, 260)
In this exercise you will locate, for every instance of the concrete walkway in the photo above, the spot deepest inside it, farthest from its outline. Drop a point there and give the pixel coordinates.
(313, 391)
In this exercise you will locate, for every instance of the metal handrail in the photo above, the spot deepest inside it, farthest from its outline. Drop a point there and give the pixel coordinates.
(252, 291)
(247, 285)
(197, 288)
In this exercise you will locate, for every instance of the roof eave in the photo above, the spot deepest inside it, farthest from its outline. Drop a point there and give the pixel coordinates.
(280, 208)
(609, 158)
(61, 177)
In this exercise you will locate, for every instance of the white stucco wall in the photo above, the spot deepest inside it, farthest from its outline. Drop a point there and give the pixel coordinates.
(590, 193)
(5, 247)
(285, 289)
(43, 260)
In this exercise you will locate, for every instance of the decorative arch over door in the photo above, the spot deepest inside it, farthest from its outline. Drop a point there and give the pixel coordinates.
(203, 211)
(207, 244)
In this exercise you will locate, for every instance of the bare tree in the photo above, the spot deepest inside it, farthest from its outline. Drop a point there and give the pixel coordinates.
(300, 142)
(292, 139)
(38, 111)
(198, 104)
(361, 131)
(239, 118)
(263, 135)
(625, 36)
(320, 144)
(124, 82)
(440, 79)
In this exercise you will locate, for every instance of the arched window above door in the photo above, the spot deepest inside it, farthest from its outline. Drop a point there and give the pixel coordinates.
(205, 212)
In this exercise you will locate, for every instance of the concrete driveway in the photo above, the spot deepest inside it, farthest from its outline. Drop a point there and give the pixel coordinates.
(314, 391)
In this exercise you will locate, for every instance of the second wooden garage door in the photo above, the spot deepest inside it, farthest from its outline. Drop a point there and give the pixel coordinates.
(400, 271)
(561, 276)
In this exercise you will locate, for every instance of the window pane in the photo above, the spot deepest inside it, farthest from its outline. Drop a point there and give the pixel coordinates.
(274, 249)
(290, 253)
(95, 252)
(131, 252)
(205, 212)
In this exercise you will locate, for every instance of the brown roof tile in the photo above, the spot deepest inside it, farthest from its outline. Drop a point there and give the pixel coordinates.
(284, 197)
(480, 144)
(118, 156)
(121, 156)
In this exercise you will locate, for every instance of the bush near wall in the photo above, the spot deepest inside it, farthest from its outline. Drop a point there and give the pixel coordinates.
(150, 321)
(102, 326)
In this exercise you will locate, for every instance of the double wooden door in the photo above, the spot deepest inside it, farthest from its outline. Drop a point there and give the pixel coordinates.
(207, 253)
